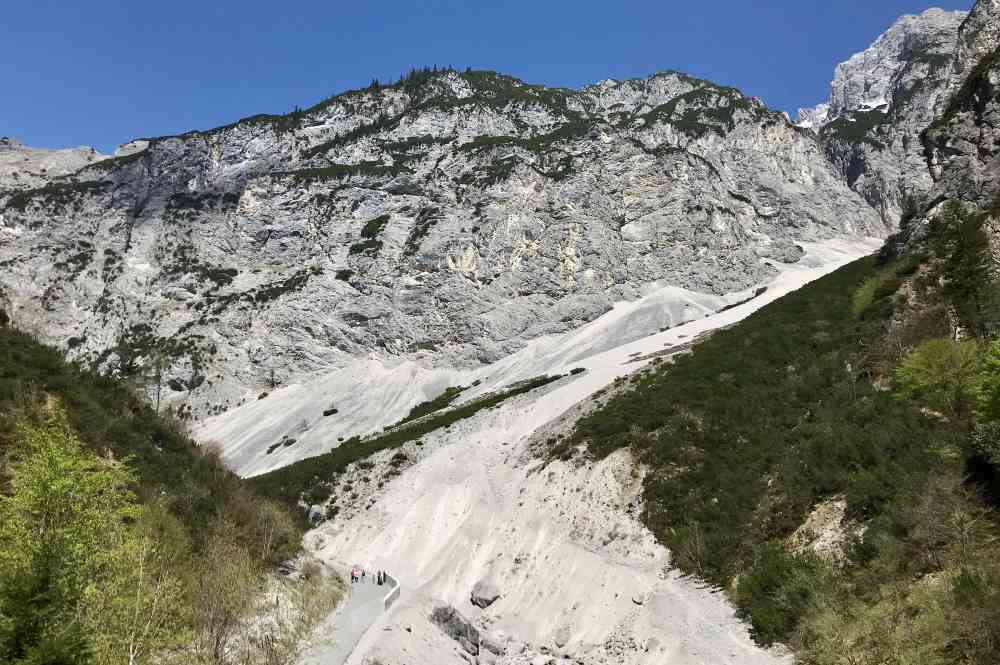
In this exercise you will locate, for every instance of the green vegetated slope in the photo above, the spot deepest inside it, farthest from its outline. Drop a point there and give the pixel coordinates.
(120, 540)
(850, 389)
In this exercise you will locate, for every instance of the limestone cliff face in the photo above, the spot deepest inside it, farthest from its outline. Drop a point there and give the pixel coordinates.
(448, 218)
(963, 144)
(22, 167)
(880, 101)
(978, 38)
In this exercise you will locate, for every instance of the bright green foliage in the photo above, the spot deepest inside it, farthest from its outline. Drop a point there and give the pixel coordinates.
(112, 525)
(64, 529)
(139, 608)
(864, 296)
(987, 387)
(940, 374)
(107, 417)
(872, 289)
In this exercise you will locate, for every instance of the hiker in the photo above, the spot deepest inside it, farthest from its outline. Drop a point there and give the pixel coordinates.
(354, 575)
(380, 580)
(362, 574)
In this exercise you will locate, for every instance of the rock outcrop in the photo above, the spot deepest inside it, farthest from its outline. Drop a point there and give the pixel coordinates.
(963, 144)
(23, 168)
(447, 219)
(484, 594)
(457, 627)
(880, 101)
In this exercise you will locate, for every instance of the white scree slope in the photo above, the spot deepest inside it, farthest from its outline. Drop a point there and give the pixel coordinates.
(580, 577)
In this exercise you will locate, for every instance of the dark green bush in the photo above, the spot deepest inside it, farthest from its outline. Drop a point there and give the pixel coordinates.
(776, 591)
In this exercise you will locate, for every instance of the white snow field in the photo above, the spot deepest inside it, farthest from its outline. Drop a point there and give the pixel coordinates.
(581, 579)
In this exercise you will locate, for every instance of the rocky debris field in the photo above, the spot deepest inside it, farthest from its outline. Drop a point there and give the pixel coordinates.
(507, 556)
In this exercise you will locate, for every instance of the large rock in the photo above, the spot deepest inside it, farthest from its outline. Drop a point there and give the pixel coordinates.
(484, 594)
(457, 627)
(963, 145)
(24, 168)
(494, 644)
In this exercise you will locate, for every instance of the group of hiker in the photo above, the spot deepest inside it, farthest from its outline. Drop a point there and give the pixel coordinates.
(358, 575)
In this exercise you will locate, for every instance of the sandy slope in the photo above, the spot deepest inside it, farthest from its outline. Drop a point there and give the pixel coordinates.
(374, 392)
(580, 576)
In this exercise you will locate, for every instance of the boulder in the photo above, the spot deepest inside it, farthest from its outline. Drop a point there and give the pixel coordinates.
(316, 514)
(493, 644)
(484, 594)
(457, 627)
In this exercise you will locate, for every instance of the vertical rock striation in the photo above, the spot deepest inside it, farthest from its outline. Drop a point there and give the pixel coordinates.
(448, 219)
(880, 101)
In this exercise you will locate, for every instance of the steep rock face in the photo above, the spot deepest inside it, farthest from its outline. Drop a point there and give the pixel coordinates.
(449, 218)
(880, 101)
(22, 167)
(962, 145)
(978, 38)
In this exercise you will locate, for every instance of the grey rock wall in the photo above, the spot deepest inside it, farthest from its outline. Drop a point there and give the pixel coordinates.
(963, 144)
(881, 100)
(448, 219)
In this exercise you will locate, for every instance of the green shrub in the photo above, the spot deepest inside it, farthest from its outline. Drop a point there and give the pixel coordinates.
(987, 385)
(966, 268)
(776, 592)
(873, 289)
(940, 374)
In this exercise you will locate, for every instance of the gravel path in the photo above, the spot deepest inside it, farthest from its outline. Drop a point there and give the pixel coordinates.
(340, 633)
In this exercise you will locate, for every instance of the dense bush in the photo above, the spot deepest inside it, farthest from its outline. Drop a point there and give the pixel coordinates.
(776, 592)
(940, 374)
(139, 522)
(822, 395)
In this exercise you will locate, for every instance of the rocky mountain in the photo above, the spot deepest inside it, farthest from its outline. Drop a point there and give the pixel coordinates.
(446, 219)
(881, 100)
(962, 144)
(22, 167)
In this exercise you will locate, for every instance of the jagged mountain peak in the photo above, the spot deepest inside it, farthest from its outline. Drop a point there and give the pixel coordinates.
(428, 89)
(881, 99)
(869, 79)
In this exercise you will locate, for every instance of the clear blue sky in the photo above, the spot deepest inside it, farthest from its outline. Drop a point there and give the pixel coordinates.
(101, 72)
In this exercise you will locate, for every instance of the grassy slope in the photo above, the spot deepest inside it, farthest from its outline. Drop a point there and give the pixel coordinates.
(791, 407)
